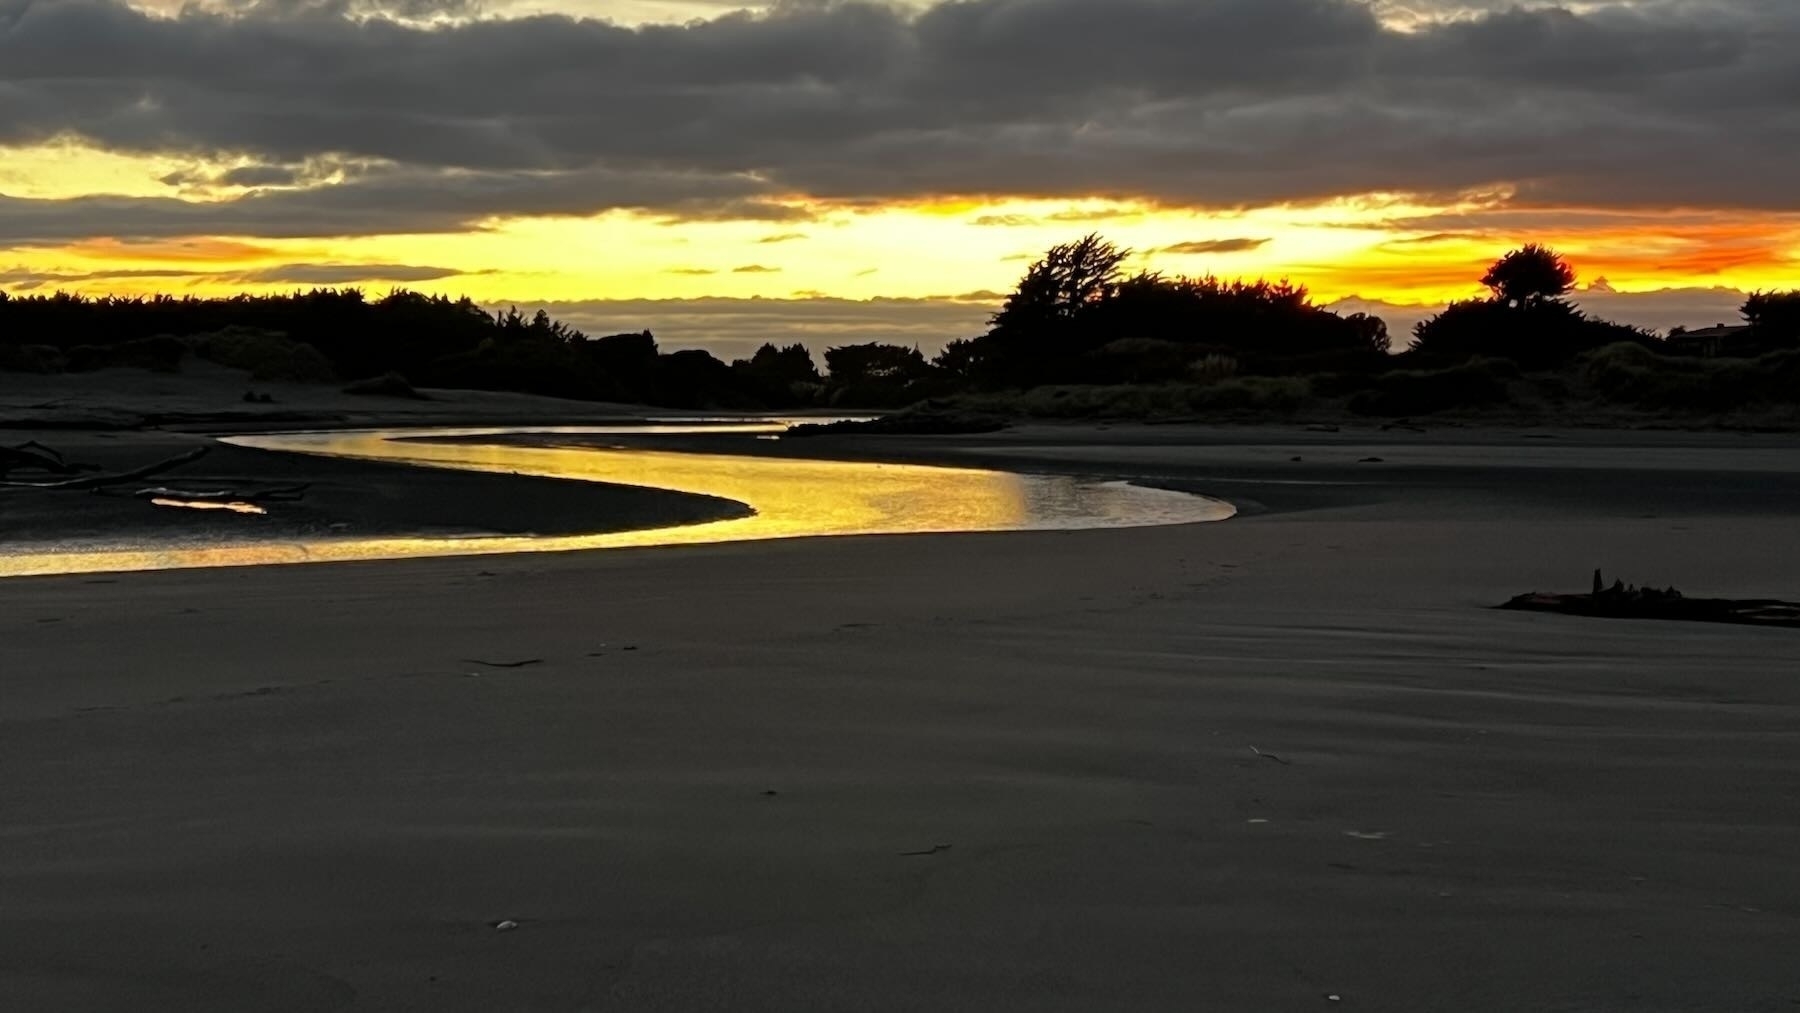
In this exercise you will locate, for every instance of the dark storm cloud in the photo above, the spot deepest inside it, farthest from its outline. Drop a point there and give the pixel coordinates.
(261, 175)
(1213, 103)
(385, 203)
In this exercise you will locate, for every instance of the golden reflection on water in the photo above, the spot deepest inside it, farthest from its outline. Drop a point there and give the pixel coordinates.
(790, 497)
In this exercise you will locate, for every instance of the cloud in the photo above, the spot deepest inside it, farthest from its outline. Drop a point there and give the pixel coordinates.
(25, 279)
(1437, 238)
(1215, 246)
(341, 274)
(756, 269)
(261, 175)
(782, 237)
(22, 279)
(1657, 310)
(734, 328)
(1188, 103)
(388, 202)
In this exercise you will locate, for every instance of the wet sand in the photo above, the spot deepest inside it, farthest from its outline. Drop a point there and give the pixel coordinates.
(1244, 765)
(344, 499)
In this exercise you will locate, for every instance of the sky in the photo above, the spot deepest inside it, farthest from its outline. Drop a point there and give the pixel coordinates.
(834, 171)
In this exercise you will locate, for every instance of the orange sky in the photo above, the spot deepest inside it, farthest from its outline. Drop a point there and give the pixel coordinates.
(1550, 140)
(1377, 248)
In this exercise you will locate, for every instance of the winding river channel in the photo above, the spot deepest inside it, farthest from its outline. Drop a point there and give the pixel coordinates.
(787, 497)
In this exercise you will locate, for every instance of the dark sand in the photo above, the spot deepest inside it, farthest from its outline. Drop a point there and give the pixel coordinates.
(1235, 766)
(345, 499)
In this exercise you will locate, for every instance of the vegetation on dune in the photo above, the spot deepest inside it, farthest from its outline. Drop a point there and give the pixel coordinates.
(1076, 316)
(1078, 337)
(265, 355)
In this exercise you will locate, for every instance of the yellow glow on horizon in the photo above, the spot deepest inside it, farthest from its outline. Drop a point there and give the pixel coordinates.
(64, 168)
(1371, 246)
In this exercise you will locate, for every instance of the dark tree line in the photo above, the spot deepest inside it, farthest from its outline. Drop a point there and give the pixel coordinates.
(341, 334)
(1528, 318)
(1773, 319)
(1076, 317)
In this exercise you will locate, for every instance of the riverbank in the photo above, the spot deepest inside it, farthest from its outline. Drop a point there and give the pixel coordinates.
(342, 499)
(1258, 470)
(210, 398)
(1245, 765)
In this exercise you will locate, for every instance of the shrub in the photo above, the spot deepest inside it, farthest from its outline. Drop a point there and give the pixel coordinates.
(161, 354)
(1136, 360)
(1333, 385)
(265, 355)
(1144, 401)
(1475, 384)
(1632, 375)
(1538, 335)
(1213, 368)
(32, 359)
(386, 385)
(1276, 394)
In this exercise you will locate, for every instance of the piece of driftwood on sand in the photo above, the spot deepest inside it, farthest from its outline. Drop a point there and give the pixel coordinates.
(34, 456)
(89, 482)
(273, 494)
(1622, 602)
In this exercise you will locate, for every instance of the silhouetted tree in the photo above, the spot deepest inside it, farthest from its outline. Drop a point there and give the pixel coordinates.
(780, 377)
(1371, 331)
(1536, 335)
(1069, 278)
(1077, 301)
(694, 378)
(960, 358)
(1530, 275)
(1774, 318)
(429, 340)
(789, 364)
(852, 364)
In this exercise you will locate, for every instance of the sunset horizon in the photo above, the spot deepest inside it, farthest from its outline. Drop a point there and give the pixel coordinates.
(719, 177)
(894, 505)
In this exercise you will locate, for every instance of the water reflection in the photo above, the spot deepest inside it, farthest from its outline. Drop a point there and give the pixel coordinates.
(791, 498)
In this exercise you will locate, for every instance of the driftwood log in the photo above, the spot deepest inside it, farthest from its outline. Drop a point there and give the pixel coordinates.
(113, 478)
(1620, 601)
(34, 456)
(274, 494)
(64, 475)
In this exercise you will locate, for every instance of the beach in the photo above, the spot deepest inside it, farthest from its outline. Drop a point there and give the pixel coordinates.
(1292, 760)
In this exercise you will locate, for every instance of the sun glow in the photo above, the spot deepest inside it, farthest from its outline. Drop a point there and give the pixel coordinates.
(1384, 247)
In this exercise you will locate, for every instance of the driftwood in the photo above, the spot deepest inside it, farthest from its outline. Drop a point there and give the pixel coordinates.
(118, 478)
(276, 494)
(1620, 601)
(34, 456)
